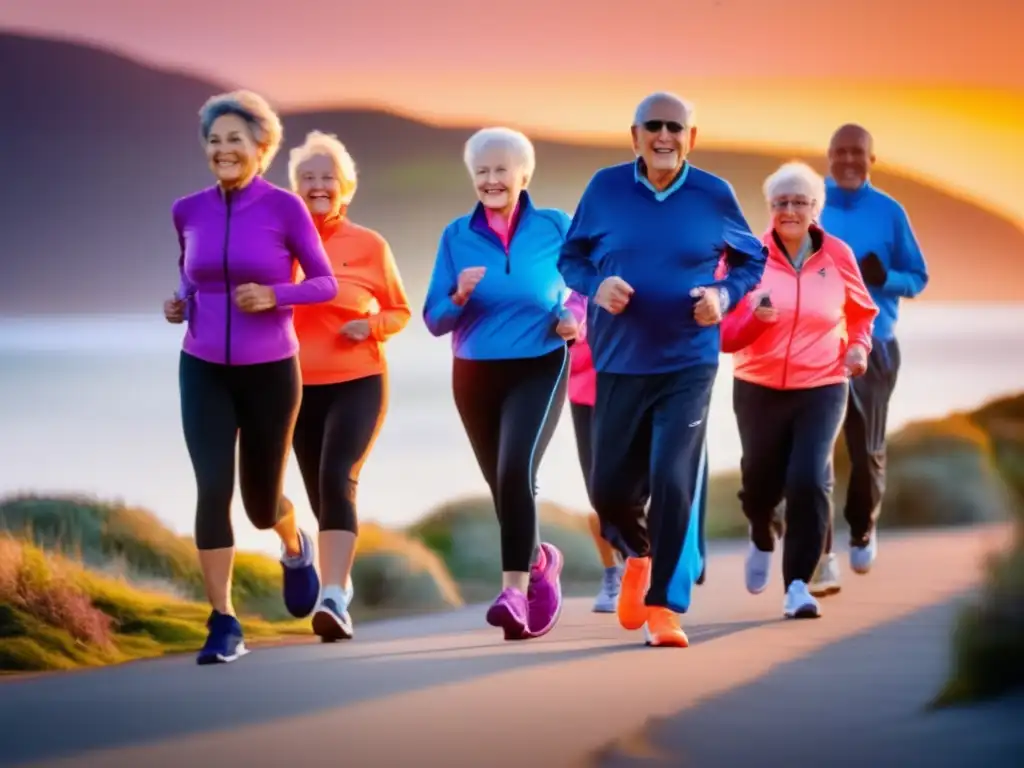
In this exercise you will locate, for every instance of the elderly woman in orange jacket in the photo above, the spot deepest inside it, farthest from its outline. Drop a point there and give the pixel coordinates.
(796, 340)
(344, 368)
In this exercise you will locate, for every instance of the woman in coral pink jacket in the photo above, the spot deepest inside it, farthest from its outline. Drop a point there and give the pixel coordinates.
(582, 392)
(796, 340)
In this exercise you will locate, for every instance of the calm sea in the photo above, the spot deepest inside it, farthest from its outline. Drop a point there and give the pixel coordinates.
(91, 405)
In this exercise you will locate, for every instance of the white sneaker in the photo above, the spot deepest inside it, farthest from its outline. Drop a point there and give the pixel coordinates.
(825, 581)
(862, 558)
(608, 598)
(799, 603)
(331, 621)
(758, 569)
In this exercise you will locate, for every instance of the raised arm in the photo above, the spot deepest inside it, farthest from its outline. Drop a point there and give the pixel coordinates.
(907, 276)
(745, 253)
(304, 243)
(574, 262)
(440, 313)
(859, 308)
(391, 297)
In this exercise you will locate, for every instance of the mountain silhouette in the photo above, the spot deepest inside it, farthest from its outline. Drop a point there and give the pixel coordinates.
(95, 147)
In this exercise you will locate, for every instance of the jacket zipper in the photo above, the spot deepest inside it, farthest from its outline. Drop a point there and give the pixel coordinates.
(792, 333)
(227, 281)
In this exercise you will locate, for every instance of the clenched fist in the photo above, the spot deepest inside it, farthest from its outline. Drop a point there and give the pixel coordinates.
(708, 309)
(613, 295)
(856, 360)
(253, 298)
(469, 278)
(174, 310)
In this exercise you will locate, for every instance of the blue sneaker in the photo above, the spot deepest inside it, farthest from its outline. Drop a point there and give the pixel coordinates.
(224, 643)
(301, 581)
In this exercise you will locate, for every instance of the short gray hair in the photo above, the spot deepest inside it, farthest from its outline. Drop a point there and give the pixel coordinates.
(640, 115)
(262, 120)
(327, 144)
(516, 143)
(796, 177)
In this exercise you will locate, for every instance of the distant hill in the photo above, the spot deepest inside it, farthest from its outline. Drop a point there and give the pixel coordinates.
(95, 147)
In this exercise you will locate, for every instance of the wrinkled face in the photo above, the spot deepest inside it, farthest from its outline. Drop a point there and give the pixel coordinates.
(498, 178)
(850, 157)
(663, 139)
(319, 186)
(231, 151)
(792, 212)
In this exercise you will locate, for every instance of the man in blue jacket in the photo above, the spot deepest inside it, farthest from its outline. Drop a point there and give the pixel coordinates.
(643, 247)
(878, 230)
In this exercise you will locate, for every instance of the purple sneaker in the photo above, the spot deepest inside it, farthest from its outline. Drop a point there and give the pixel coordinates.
(544, 597)
(510, 613)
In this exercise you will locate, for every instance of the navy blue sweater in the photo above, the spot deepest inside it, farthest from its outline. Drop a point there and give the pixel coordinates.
(663, 246)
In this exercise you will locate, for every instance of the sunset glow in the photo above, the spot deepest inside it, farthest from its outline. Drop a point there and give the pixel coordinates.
(943, 93)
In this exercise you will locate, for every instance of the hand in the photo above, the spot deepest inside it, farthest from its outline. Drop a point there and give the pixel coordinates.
(469, 278)
(567, 327)
(174, 310)
(873, 271)
(356, 330)
(613, 295)
(856, 360)
(253, 298)
(708, 308)
(764, 313)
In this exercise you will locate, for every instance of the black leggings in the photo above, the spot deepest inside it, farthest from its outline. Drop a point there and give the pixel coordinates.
(254, 406)
(510, 409)
(582, 424)
(337, 426)
(788, 439)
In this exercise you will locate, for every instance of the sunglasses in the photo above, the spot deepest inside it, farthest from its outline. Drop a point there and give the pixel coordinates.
(655, 126)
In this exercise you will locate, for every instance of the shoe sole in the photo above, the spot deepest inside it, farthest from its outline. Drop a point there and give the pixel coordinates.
(804, 612)
(826, 590)
(327, 627)
(220, 658)
(604, 609)
(649, 641)
(758, 590)
(502, 617)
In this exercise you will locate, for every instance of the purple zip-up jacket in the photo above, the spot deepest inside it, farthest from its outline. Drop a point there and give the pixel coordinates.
(253, 235)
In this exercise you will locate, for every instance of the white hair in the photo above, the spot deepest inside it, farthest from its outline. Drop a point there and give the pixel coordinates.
(327, 144)
(663, 97)
(262, 120)
(800, 178)
(514, 142)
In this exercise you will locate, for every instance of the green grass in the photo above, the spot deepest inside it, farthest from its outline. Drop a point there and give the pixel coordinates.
(988, 640)
(57, 614)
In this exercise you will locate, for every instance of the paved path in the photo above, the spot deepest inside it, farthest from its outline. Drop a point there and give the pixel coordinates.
(444, 691)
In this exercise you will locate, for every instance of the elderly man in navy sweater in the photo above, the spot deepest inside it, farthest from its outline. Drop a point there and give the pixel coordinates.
(877, 229)
(643, 246)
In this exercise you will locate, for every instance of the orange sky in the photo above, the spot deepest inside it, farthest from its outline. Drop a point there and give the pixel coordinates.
(942, 90)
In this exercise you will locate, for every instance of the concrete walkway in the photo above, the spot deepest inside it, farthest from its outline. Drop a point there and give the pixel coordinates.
(445, 691)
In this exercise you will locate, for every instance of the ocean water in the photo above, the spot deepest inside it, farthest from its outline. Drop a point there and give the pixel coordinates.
(90, 405)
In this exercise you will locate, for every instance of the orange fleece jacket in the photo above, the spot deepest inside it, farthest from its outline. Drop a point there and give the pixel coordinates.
(369, 288)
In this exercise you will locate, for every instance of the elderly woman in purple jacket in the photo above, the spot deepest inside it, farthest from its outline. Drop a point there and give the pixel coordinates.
(238, 375)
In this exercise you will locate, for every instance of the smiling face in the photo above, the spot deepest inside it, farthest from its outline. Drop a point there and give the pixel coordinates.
(662, 138)
(850, 156)
(319, 186)
(498, 179)
(792, 212)
(231, 151)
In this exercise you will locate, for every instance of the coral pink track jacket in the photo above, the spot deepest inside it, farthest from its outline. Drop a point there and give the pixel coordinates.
(823, 310)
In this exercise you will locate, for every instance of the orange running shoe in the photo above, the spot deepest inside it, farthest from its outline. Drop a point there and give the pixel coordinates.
(663, 629)
(636, 578)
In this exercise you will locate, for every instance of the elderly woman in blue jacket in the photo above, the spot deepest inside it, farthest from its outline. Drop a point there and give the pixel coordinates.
(497, 290)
